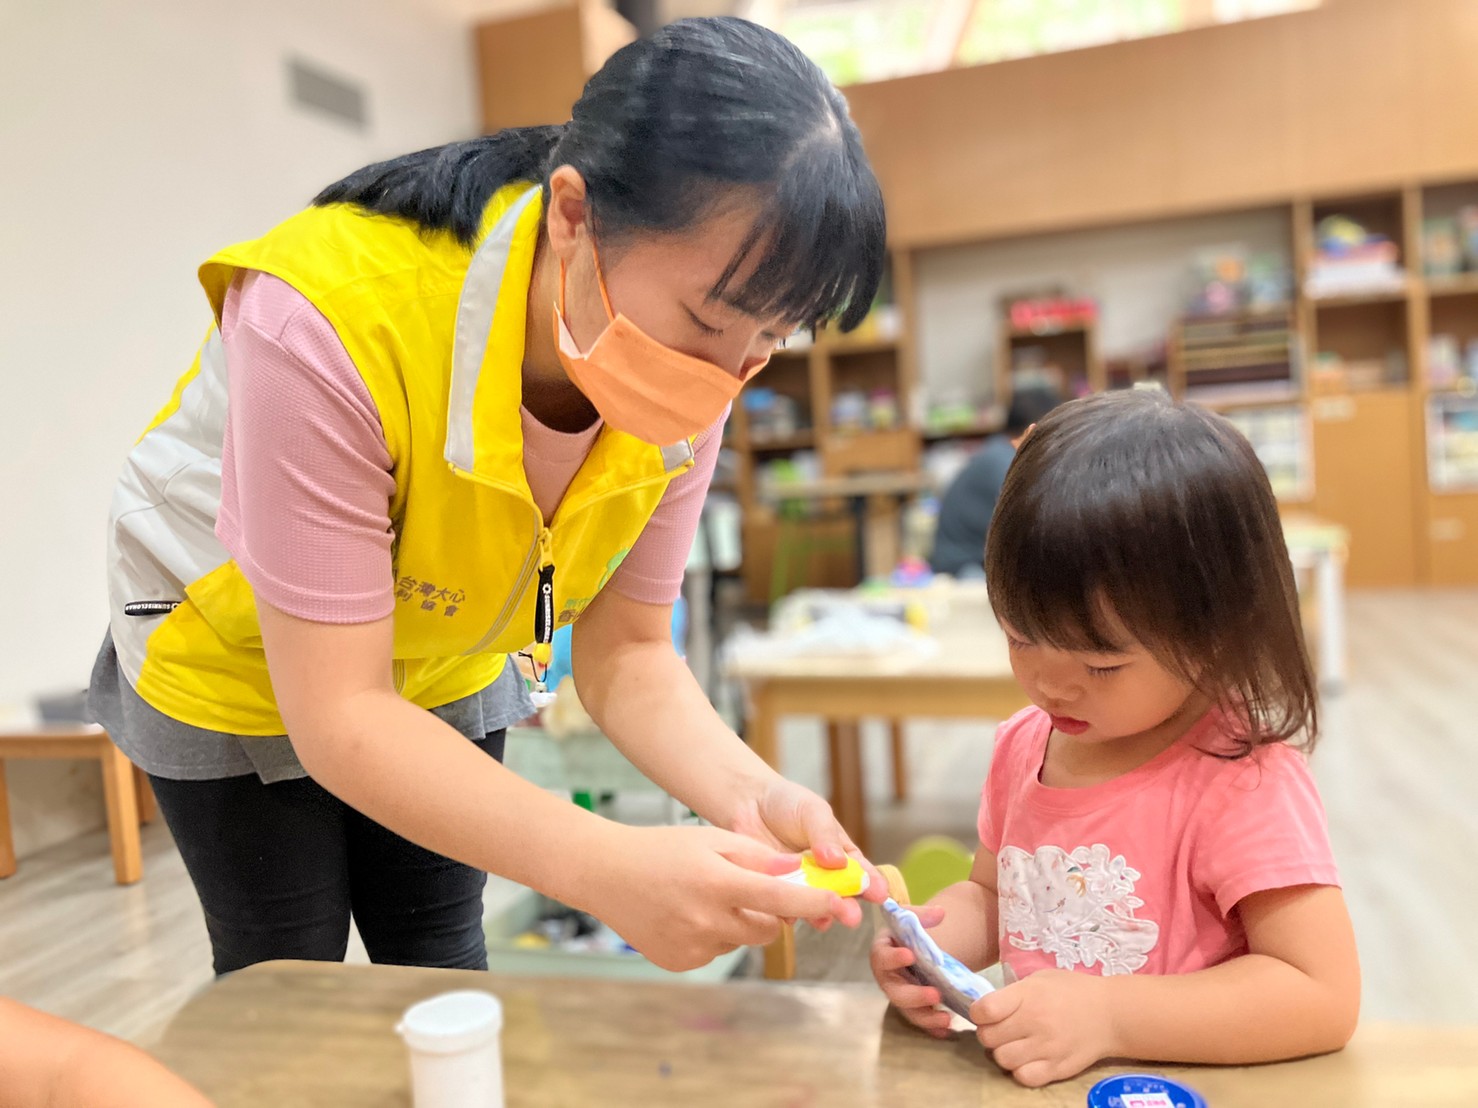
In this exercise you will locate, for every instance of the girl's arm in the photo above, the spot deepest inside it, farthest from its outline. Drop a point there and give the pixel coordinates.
(1296, 992)
(46, 1062)
(969, 930)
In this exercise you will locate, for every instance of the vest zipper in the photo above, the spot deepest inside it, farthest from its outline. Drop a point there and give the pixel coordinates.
(541, 558)
(515, 595)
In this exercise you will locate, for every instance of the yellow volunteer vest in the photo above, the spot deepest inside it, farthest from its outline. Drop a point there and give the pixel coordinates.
(437, 333)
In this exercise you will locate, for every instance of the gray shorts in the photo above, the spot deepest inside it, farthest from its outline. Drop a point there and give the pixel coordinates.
(165, 747)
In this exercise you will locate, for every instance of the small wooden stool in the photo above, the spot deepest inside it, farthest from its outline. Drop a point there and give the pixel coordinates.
(126, 789)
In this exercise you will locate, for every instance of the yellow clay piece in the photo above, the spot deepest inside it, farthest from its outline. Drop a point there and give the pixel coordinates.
(850, 880)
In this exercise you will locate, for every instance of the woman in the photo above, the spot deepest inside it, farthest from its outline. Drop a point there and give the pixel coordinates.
(471, 395)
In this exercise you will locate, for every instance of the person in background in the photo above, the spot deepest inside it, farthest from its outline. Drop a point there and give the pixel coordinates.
(968, 503)
(46, 1062)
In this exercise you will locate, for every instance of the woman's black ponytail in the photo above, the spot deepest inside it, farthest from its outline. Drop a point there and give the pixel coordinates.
(446, 188)
(664, 134)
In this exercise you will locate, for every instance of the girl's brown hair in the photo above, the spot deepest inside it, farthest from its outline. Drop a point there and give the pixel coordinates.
(1129, 510)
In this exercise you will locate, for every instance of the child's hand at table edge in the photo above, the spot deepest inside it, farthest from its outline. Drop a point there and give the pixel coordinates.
(1047, 1027)
(916, 1003)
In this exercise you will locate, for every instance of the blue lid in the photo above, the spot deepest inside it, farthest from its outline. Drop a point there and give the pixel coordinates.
(1142, 1090)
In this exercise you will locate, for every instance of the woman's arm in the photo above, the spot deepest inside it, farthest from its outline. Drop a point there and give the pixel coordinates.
(644, 696)
(409, 771)
(646, 699)
(46, 1062)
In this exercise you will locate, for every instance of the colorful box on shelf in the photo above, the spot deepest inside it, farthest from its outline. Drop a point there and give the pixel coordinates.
(1043, 315)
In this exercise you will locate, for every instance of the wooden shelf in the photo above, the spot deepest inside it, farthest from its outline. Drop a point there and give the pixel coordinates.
(979, 431)
(1049, 332)
(1360, 299)
(1219, 400)
(1459, 284)
(801, 440)
(838, 348)
(1461, 388)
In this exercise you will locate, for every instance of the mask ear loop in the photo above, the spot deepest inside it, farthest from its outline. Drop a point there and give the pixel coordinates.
(600, 283)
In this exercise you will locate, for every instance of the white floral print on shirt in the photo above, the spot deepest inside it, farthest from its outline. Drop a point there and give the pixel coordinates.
(1077, 906)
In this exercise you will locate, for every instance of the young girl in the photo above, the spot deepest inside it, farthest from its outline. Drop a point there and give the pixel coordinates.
(1154, 870)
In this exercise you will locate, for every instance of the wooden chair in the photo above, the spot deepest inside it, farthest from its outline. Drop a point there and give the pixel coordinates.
(780, 955)
(126, 789)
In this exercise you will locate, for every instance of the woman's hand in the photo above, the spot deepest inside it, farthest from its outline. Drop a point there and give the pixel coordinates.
(684, 895)
(785, 815)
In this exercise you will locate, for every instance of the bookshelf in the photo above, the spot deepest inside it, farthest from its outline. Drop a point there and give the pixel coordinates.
(832, 406)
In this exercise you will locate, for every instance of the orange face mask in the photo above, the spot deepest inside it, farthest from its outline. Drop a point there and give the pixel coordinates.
(639, 386)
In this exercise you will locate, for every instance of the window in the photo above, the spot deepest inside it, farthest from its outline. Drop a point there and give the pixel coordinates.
(873, 40)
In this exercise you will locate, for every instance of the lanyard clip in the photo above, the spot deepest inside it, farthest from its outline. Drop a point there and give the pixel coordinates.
(543, 652)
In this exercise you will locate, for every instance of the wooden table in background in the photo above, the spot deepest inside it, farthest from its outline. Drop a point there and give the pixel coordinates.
(969, 678)
(126, 790)
(314, 1035)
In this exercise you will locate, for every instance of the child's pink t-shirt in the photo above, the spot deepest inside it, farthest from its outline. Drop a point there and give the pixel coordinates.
(306, 476)
(1142, 874)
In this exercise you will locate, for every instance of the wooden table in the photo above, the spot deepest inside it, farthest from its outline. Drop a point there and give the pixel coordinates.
(126, 790)
(304, 1035)
(969, 678)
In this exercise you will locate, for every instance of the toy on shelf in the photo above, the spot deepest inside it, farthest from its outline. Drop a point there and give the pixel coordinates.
(772, 415)
(882, 410)
(1467, 222)
(1046, 315)
(911, 573)
(1352, 260)
(1442, 247)
(849, 411)
(1229, 279)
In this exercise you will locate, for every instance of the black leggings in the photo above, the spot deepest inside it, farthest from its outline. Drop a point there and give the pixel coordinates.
(281, 868)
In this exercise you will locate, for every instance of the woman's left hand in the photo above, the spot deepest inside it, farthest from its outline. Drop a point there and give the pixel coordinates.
(789, 817)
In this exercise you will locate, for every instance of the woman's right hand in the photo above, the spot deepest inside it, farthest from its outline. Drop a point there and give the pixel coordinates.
(684, 895)
(916, 1003)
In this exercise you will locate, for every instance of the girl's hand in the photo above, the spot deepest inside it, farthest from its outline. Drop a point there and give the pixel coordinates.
(684, 895)
(785, 815)
(1048, 1027)
(916, 1003)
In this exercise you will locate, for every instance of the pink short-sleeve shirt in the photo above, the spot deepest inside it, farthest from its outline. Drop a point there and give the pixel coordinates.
(1142, 874)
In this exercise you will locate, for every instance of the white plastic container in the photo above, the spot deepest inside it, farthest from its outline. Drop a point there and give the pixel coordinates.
(456, 1050)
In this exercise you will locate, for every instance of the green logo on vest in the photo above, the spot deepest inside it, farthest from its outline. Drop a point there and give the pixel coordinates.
(574, 606)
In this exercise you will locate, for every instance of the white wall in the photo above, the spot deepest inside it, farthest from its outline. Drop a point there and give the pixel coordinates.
(135, 138)
(1139, 275)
